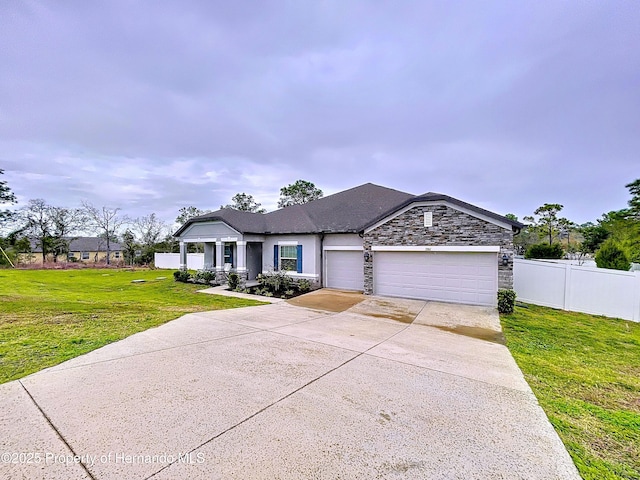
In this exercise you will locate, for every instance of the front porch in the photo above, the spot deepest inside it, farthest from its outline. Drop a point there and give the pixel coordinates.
(227, 255)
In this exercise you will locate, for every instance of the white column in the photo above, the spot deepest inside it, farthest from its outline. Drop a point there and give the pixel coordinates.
(219, 256)
(208, 255)
(241, 262)
(183, 255)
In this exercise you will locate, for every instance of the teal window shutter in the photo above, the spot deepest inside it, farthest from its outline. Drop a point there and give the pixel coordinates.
(275, 257)
(299, 259)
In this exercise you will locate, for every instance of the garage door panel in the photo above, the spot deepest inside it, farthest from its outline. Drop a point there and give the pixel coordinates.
(450, 277)
(345, 270)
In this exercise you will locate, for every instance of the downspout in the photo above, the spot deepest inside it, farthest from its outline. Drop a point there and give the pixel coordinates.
(322, 260)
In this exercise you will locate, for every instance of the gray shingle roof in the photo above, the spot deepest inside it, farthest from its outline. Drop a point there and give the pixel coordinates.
(349, 211)
(342, 212)
(83, 244)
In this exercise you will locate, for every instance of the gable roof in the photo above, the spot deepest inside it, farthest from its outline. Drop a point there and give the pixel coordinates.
(441, 197)
(349, 211)
(82, 244)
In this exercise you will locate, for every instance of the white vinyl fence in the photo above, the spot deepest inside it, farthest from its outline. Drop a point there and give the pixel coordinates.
(195, 261)
(599, 291)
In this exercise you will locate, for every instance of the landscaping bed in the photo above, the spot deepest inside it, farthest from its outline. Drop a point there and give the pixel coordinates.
(272, 284)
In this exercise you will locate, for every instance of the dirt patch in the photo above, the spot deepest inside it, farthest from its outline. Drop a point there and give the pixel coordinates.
(475, 332)
(328, 300)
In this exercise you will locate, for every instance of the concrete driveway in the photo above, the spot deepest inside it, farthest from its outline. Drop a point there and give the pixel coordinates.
(386, 388)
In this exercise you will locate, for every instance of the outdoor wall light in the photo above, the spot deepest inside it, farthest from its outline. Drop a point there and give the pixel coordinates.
(505, 259)
(367, 256)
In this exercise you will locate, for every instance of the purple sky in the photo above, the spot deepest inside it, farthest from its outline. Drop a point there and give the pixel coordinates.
(152, 106)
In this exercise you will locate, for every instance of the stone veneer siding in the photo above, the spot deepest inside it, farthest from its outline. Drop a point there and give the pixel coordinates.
(450, 227)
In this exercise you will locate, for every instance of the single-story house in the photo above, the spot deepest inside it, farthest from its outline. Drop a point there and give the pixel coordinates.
(370, 238)
(81, 249)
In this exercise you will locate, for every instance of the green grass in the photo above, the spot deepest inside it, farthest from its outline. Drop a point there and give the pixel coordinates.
(49, 316)
(585, 372)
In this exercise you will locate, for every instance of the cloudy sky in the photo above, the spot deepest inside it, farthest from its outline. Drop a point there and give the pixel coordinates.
(152, 106)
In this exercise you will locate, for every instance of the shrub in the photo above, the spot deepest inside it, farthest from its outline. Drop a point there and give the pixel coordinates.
(275, 281)
(544, 250)
(204, 276)
(506, 300)
(181, 276)
(610, 255)
(233, 281)
(304, 285)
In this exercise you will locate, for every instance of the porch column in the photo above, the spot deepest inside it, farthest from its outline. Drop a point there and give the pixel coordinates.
(208, 256)
(241, 261)
(219, 256)
(183, 255)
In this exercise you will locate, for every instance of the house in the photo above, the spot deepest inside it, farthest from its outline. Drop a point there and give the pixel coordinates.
(81, 249)
(370, 238)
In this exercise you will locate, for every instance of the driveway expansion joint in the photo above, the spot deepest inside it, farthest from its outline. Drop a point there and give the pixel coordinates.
(58, 433)
(276, 402)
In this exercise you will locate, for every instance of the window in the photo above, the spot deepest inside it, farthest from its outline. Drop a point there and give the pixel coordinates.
(116, 254)
(228, 254)
(288, 258)
(85, 255)
(72, 255)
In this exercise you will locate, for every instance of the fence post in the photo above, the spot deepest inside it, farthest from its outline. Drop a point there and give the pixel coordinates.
(567, 287)
(636, 309)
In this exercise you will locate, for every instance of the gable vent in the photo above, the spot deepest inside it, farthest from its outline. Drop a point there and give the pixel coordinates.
(428, 219)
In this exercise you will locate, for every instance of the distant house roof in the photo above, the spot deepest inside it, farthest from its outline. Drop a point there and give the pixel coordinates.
(349, 211)
(83, 244)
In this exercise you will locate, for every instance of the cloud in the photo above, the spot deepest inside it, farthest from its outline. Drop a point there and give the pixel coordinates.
(504, 104)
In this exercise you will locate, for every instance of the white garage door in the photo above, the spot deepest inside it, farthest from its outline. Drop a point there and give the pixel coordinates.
(442, 276)
(345, 269)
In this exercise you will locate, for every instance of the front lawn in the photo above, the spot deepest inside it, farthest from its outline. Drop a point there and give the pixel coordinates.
(585, 372)
(49, 316)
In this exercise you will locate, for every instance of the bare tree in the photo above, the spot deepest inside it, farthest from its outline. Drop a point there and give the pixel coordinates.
(64, 222)
(149, 229)
(38, 225)
(105, 220)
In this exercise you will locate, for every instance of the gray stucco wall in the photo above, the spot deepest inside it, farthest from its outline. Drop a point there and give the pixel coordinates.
(310, 253)
(450, 227)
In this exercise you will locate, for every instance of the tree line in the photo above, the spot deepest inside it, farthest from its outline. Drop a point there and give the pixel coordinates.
(52, 228)
(613, 240)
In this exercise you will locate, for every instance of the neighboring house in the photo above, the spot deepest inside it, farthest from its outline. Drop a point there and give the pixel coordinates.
(81, 249)
(370, 238)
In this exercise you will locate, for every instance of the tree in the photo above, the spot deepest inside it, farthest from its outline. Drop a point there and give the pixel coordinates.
(6, 197)
(149, 230)
(38, 224)
(105, 220)
(542, 250)
(593, 236)
(187, 213)
(130, 246)
(524, 239)
(634, 203)
(245, 203)
(64, 222)
(610, 255)
(566, 226)
(547, 225)
(298, 193)
(624, 229)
